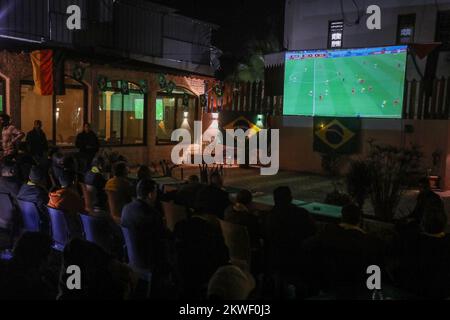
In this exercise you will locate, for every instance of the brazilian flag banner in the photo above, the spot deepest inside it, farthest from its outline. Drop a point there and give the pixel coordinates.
(336, 135)
(240, 120)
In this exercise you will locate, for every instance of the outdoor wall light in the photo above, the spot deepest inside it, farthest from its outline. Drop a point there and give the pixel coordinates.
(260, 117)
(215, 115)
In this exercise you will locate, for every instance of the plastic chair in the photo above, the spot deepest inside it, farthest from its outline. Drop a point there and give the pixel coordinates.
(30, 216)
(8, 219)
(97, 230)
(7, 212)
(136, 259)
(173, 214)
(238, 242)
(59, 227)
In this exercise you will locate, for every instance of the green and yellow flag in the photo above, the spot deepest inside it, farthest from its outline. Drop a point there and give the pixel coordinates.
(336, 135)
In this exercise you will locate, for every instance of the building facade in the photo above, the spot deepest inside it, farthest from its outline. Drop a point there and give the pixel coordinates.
(135, 71)
(424, 25)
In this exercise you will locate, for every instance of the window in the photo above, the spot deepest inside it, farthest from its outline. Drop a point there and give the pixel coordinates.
(443, 29)
(335, 34)
(173, 111)
(405, 28)
(62, 116)
(120, 117)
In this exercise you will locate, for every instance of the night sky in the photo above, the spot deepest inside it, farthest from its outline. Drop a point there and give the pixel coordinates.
(239, 21)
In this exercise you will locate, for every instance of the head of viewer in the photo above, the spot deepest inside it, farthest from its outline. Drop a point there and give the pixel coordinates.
(146, 190)
(98, 162)
(86, 127)
(8, 169)
(282, 196)
(193, 179)
(120, 169)
(67, 179)
(37, 124)
(424, 184)
(5, 119)
(351, 214)
(37, 175)
(144, 172)
(244, 197)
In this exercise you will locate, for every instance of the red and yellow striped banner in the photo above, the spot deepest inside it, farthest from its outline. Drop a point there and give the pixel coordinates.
(42, 61)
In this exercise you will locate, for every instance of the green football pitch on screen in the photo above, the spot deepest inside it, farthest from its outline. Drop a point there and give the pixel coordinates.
(367, 82)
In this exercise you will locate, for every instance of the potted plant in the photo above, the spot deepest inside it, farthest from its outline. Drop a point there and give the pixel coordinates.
(391, 169)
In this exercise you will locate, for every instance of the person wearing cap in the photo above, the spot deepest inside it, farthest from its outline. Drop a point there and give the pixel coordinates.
(94, 177)
(35, 190)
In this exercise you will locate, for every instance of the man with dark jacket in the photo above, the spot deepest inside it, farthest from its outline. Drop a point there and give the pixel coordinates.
(142, 218)
(35, 191)
(424, 266)
(286, 227)
(220, 197)
(187, 193)
(200, 247)
(87, 143)
(36, 141)
(340, 254)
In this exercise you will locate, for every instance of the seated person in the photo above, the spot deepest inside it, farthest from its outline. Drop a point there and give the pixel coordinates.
(57, 168)
(241, 213)
(35, 191)
(186, 194)
(94, 178)
(102, 277)
(285, 229)
(425, 198)
(68, 200)
(142, 217)
(144, 172)
(424, 267)
(26, 274)
(200, 247)
(340, 254)
(220, 196)
(9, 183)
(24, 162)
(120, 188)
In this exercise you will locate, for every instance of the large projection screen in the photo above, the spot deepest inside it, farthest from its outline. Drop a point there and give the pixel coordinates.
(365, 82)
